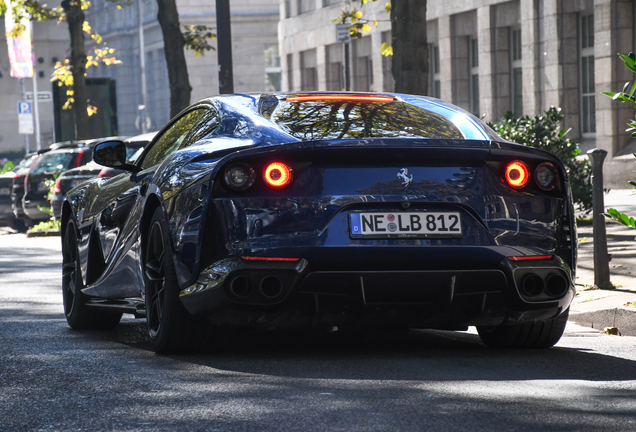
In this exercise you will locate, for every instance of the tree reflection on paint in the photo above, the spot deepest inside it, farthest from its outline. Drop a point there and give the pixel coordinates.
(356, 120)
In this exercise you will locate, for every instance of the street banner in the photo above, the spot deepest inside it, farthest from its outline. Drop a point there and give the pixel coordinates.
(20, 47)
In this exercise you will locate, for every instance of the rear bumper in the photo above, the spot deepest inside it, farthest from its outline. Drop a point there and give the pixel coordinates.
(489, 290)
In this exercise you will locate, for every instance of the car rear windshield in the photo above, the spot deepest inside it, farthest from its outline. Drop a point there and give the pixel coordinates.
(344, 119)
(51, 163)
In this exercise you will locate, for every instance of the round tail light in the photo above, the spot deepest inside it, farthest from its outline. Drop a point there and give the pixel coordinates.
(517, 174)
(546, 176)
(239, 176)
(278, 174)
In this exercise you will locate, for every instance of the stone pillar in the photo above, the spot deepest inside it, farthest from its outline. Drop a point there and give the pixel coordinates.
(487, 68)
(445, 57)
(550, 43)
(530, 57)
(612, 34)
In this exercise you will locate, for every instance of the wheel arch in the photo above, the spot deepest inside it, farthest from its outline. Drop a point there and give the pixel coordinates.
(152, 203)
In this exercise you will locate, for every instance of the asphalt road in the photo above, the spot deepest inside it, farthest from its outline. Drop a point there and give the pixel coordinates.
(53, 378)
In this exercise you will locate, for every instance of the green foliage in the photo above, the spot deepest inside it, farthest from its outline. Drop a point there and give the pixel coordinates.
(50, 225)
(50, 183)
(197, 38)
(545, 132)
(629, 89)
(7, 167)
(625, 96)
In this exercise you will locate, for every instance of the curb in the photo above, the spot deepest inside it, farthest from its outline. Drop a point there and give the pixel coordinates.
(623, 318)
(50, 233)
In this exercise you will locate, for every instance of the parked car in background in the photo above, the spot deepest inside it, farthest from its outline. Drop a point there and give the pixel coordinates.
(17, 192)
(7, 217)
(323, 210)
(76, 176)
(61, 157)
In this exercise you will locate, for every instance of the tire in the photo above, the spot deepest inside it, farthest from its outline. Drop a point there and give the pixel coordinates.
(540, 334)
(78, 315)
(18, 225)
(171, 328)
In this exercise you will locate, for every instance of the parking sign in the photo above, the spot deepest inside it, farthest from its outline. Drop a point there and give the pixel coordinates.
(25, 117)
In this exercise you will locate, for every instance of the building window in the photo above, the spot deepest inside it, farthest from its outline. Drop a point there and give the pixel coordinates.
(517, 74)
(388, 83)
(588, 100)
(334, 69)
(272, 68)
(290, 72)
(331, 2)
(474, 77)
(306, 6)
(308, 75)
(433, 72)
(362, 64)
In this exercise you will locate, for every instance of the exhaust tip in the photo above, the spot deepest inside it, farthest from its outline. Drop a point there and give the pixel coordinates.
(532, 285)
(556, 285)
(271, 286)
(241, 286)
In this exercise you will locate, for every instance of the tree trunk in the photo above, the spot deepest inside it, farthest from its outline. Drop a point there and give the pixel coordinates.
(75, 20)
(174, 43)
(410, 46)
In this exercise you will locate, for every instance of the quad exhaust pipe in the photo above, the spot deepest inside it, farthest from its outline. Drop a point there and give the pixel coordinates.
(269, 287)
(554, 285)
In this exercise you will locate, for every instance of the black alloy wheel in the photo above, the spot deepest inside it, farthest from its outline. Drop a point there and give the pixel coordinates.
(171, 328)
(77, 313)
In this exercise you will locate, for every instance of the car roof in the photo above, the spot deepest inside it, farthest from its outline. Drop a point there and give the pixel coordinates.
(84, 143)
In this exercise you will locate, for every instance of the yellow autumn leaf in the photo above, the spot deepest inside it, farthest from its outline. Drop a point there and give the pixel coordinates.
(375, 23)
(366, 28)
(386, 49)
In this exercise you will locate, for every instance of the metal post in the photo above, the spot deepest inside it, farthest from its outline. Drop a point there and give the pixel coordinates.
(36, 111)
(347, 66)
(224, 46)
(23, 92)
(601, 257)
(142, 65)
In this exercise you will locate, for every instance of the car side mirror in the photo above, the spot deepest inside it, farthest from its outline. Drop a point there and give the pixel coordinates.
(113, 155)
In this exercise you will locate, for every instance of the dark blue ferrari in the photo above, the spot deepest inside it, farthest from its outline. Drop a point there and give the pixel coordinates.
(323, 210)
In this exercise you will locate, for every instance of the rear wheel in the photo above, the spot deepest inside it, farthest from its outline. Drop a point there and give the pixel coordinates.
(540, 334)
(77, 313)
(171, 328)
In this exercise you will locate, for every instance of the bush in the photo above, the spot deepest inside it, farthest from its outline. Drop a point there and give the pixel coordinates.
(626, 95)
(545, 132)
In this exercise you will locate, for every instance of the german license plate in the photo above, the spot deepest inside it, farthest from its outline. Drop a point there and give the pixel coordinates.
(405, 224)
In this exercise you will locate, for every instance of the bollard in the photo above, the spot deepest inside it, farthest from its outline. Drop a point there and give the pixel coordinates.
(601, 257)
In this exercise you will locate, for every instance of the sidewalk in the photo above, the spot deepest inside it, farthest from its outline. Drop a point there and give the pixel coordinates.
(598, 308)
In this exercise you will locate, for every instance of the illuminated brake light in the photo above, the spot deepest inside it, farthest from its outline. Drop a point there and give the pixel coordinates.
(340, 97)
(517, 174)
(57, 188)
(278, 174)
(248, 258)
(78, 159)
(531, 257)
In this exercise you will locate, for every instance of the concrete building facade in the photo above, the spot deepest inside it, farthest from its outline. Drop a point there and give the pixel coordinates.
(254, 53)
(255, 61)
(488, 57)
(50, 44)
